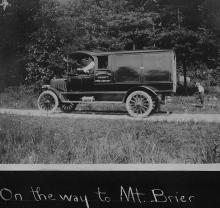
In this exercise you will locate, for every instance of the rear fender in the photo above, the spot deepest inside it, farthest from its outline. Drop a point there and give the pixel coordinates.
(149, 90)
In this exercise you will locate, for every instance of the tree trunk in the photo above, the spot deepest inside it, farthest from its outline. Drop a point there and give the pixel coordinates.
(185, 80)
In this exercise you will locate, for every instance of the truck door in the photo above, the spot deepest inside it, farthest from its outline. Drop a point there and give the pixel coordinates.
(103, 73)
(87, 82)
(128, 67)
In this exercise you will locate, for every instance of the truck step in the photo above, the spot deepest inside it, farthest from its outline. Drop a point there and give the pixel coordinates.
(88, 99)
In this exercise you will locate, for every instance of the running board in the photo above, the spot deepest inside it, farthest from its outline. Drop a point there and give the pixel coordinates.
(93, 92)
(104, 102)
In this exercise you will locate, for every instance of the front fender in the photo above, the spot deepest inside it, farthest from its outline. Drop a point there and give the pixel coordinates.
(58, 94)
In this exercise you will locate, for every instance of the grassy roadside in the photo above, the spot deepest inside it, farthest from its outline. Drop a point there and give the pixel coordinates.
(64, 140)
(21, 97)
(190, 104)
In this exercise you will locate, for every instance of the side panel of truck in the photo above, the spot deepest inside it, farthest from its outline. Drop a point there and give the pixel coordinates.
(127, 68)
(157, 67)
(174, 77)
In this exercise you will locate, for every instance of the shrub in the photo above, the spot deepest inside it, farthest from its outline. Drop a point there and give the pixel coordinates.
(24, 96)
(44, 58)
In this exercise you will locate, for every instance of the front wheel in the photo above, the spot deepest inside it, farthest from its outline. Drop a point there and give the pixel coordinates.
(47, 102)
(139, 104)
(68, 107)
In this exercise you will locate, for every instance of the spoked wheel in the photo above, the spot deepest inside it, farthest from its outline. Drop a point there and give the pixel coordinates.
(139, 104)
(47, 102)
(68, 107)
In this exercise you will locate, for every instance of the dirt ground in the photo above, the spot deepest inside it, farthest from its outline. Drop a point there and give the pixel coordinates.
(185, 117)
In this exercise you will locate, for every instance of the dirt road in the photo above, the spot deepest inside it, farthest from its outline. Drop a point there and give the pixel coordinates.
(106, 115)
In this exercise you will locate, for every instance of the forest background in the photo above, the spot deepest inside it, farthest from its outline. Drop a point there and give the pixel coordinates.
(35, 35)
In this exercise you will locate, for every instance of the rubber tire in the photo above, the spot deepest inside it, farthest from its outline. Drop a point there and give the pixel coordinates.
(68, 107)
(54, 96)
(137, 115)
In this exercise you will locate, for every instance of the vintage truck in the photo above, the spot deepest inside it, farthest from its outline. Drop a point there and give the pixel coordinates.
(140, 79)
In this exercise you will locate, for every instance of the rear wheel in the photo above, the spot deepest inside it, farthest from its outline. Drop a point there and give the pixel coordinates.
(139, 104)
(68, 107)
(47, 102)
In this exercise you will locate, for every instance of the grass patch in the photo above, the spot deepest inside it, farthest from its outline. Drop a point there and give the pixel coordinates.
(22, 97)
(64, 140)
(190, 104)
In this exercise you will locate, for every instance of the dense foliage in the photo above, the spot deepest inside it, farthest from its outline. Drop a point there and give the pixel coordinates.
(40, 33)
(17, 23)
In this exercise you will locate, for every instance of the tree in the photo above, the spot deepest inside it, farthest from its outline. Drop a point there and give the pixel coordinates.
(210, 10)
(180, 13)
(190, 47)
(45, 58)
(116, 25)
(44, 55)
(16, 23)
(132, 30)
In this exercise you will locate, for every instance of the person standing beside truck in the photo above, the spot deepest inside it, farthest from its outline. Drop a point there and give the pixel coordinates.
(201, 92)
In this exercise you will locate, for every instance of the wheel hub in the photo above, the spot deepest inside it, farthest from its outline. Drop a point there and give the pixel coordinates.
(47, 101)
(139, 103)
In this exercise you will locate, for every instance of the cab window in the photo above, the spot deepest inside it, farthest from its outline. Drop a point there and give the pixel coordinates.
(102, 62)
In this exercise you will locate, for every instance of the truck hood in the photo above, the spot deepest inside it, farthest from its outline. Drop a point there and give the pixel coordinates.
(59, 84)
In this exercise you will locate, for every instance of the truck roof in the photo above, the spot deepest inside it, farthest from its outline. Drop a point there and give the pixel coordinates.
(100, 53)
